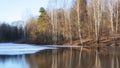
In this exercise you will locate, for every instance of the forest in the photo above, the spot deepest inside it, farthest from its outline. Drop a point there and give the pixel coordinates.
(78, 21)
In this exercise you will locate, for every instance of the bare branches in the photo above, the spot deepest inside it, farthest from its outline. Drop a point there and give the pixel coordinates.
(78, 16)
(111, 11)
(117, 15)
(98, 11)
(72, 21)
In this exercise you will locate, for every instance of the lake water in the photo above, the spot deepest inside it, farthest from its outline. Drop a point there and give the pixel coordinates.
(58, 58)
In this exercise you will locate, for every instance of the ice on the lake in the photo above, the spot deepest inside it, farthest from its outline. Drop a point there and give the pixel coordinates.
(17, 49)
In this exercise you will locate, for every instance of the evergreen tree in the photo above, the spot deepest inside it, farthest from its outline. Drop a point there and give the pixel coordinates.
(42, 20)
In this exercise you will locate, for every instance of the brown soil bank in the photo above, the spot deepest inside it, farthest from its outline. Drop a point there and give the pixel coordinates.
(104, 42)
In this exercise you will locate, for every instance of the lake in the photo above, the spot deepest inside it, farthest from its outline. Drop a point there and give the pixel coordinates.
(30, 56)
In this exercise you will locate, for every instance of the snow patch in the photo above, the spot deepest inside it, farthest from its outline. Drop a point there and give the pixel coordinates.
(17, 49)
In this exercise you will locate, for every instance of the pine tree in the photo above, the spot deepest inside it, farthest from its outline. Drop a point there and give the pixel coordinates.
(42, 20)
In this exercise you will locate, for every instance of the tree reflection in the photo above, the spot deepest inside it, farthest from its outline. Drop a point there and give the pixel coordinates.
(69, 58)
(114, 61)
(13, 62)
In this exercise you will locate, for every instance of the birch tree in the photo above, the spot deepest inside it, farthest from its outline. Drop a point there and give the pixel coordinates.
(80, 10)
(117, 14)
(68, 20)
(98, 11)
(53, 4)
(111, 11)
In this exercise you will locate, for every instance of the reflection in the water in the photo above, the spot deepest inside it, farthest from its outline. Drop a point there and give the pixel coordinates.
(97, 61)
(64, 58)
(54, 58)
(70, 64)
(80, 56)
(115, 62)
(13, 62)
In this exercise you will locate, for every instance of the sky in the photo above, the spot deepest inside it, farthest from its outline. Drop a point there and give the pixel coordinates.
(14, 10)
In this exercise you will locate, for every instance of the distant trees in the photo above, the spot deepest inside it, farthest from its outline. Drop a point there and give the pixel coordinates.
(10, 33)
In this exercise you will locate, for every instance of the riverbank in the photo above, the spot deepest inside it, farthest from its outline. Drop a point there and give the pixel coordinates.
(104, 41)
(88, 43)
(106, 44)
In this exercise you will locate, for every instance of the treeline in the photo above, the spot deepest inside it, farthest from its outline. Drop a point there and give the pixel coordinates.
(10, 33)
(75, 21)
(82, 20)
(57, 26)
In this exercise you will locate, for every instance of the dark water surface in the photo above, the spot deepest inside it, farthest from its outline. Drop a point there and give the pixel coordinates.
(63, 58)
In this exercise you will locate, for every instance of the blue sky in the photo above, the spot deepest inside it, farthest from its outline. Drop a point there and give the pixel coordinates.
(13, 10)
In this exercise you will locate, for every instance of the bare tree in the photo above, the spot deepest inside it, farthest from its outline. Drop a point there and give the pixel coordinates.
(117, 14)
(32, 28)
(111, 11)
(53, 16)
(78, 21)
(67, 20)
(98, 11)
